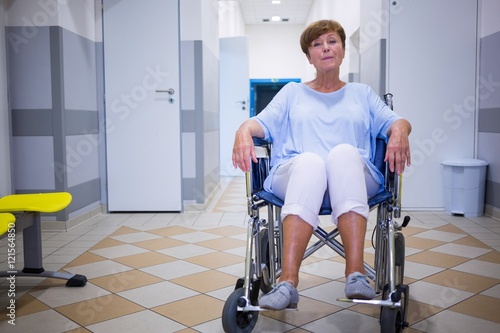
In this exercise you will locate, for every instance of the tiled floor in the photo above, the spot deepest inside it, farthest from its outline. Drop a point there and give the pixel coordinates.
(173, 273)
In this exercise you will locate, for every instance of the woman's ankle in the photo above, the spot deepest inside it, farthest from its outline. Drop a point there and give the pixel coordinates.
(293, 282)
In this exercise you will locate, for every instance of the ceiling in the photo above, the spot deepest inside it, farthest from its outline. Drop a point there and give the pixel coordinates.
(290, 11)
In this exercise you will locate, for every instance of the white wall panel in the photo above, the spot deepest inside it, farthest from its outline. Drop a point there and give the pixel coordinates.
(35, 156)
(432, 74)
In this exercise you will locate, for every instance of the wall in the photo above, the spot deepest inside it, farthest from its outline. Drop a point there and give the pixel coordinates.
(371, 36)
(61, 124)
(5, 182)
(488, 143)
(372, 39)
(199, 101)
(435, 94)
(269, 43)
(52, 72)
(231, 22)
(274, 51)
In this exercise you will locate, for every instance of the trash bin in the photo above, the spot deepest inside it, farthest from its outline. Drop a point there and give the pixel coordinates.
(464, 186)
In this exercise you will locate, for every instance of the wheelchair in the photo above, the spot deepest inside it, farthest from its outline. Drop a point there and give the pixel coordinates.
(264, 247)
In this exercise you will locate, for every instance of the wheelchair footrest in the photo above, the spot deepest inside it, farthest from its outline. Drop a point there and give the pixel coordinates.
(372, 302)
(258, 308)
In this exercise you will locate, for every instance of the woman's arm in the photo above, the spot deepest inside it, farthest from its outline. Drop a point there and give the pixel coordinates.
(398, 148)
(243, 148)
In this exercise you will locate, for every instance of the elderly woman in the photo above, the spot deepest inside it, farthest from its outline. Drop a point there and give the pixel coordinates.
(323, 134)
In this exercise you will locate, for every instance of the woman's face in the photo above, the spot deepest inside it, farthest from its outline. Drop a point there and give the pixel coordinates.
(326, 52)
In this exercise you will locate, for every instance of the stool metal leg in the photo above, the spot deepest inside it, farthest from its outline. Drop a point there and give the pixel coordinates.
(33, 260)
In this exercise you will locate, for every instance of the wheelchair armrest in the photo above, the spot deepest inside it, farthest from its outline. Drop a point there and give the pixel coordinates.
(261, 142)
(259, 170)
(379, 156)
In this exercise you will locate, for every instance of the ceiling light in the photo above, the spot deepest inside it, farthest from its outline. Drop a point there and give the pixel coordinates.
(275, 18)
(276, 2)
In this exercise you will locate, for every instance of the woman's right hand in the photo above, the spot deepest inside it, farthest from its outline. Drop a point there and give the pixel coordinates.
(244, 148)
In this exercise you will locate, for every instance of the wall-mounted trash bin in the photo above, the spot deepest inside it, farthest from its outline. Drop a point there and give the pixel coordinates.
(464, 186)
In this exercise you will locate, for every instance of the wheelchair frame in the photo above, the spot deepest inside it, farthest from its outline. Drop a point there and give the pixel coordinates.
(264, 248)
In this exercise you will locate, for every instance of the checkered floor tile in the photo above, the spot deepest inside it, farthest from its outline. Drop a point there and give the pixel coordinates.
(174, 272)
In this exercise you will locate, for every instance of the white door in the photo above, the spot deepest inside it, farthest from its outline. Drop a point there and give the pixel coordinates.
(234, 102)
(432, 74)
(141, 59)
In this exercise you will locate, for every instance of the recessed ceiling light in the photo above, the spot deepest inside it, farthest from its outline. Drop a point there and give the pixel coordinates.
(276, 2)
(275, 18)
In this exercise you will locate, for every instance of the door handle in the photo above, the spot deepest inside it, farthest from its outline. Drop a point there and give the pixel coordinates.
(170, 91)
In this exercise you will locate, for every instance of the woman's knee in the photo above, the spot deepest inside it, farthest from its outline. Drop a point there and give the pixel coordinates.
(309, 170)
(342, 153)
(309, 162)
(345, 164)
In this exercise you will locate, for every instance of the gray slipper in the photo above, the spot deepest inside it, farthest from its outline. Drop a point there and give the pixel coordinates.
(282, 296)
(357, 287)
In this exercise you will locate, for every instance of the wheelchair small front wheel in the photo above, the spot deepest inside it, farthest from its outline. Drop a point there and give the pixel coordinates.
(234, 321)
(390, 320)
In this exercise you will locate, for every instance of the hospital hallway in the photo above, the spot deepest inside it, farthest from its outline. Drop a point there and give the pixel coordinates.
(172, 272)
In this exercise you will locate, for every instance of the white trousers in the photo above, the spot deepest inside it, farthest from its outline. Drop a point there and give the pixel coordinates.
(303, 181)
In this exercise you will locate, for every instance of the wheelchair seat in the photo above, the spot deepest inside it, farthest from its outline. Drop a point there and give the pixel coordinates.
(262, 194)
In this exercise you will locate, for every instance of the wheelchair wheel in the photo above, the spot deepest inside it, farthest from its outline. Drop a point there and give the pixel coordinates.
(266, 283)
(390, 320)
(234, 321)
(399, 240)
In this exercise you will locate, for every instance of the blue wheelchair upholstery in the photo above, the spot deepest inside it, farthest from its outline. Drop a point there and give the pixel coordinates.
(263, 167)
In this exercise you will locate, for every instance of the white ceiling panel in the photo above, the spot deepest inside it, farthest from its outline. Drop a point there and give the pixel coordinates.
(262, 11)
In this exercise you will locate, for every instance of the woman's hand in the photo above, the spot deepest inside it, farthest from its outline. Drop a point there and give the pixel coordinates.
(244, 148)
(398, 148)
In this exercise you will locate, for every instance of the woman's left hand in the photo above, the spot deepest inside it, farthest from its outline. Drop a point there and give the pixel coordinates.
(398, 148)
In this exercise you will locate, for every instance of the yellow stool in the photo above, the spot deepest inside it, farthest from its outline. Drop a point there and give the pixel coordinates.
(27, 209)
(6, 221)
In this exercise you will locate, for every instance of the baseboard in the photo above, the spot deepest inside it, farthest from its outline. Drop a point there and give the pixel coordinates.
(492, 211)
(73, 222)
(190, 206)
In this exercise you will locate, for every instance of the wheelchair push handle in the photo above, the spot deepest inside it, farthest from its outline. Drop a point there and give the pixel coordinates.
(388, 100)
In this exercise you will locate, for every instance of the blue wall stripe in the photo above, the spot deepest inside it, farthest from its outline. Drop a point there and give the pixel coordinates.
(80, 122)
(32, 122)
(58, 114)
(40, 123)
(489, 120)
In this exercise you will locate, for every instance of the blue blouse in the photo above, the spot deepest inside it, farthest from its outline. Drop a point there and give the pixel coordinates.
(300, 119)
